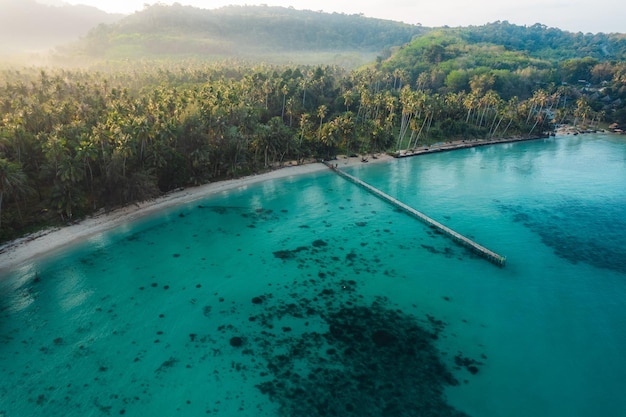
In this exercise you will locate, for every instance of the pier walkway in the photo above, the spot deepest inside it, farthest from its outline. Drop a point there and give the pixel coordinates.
(457, 237)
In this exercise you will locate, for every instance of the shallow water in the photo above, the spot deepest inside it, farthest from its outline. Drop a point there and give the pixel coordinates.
(308, 296)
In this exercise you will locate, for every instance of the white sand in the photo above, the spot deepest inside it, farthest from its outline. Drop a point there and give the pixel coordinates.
(20, 251)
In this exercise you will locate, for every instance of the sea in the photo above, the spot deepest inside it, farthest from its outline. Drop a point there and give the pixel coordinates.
(310, 296)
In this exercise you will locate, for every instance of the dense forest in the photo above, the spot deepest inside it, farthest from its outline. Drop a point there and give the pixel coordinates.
(513, 60)
(264, 32)
(73, 142)
(243, 32)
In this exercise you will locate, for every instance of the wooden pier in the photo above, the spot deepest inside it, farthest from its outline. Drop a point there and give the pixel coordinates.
(457, 237)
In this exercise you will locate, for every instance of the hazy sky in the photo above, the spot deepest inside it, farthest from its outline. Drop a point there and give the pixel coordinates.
(572, 15)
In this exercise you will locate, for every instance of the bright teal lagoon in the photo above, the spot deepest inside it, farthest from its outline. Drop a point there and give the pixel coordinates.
(308, 296)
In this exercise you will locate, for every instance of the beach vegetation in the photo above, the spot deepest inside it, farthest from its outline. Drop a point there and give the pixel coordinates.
(77, 140)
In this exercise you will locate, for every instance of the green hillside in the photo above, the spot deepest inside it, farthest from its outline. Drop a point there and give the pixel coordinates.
(511, 60)
(548, 43)
(245, 32)
(156, 116)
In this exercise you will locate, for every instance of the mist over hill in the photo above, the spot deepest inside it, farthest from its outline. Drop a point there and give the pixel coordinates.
(279, 35)
(26, 25)
(242, 32)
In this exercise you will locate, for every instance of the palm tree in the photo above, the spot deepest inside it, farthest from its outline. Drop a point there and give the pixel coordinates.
(12, 180)
(321, 113)
(390, 102)
(510, 110)
(291, 109)
(582, 110)
(539, 97)
(285, 91)
(494, 102)
(470, 101)
(598, 117)
(304, 123)
(345, 127)
(427, 105)
(423, 104)
(399, 76)
(348, 99)
(408, 101)
(329, 137)
(267, 89)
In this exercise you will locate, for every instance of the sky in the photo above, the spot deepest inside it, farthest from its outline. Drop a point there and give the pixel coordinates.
(571, 15)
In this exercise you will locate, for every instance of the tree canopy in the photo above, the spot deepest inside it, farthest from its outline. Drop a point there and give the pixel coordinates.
(240, 31)
(512, 60)
(76, 141)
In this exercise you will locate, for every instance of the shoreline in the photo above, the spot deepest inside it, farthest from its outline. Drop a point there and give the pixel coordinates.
(460, 144)
(16, 253)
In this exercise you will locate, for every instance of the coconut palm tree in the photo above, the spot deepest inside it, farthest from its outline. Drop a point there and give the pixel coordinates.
(284, 90)
(510, 110)
(12, 180)
(304, 126)
(408, 101)
(539, 98)
(321, 113)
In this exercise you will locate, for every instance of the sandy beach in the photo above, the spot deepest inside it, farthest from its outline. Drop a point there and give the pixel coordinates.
(15, 253)
(461, 144)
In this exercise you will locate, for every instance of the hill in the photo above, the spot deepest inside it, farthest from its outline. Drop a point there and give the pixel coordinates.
(244, 32)
(27, 26)
(75, 141)
(544, 42)
(512, 60)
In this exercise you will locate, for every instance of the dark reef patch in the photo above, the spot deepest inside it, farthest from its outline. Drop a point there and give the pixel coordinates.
(236, 341)
(289, 254)
(312, 342)
(167, 364)
(342, 354)
(320, 243)
(284, 254)
(579, 231)
(470, 364)
(447, 252)
(383, 338)
(221, 209)
(373, 360)
(258, 300)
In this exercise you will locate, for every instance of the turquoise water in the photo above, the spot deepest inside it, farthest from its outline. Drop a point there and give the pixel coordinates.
(308, 296)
